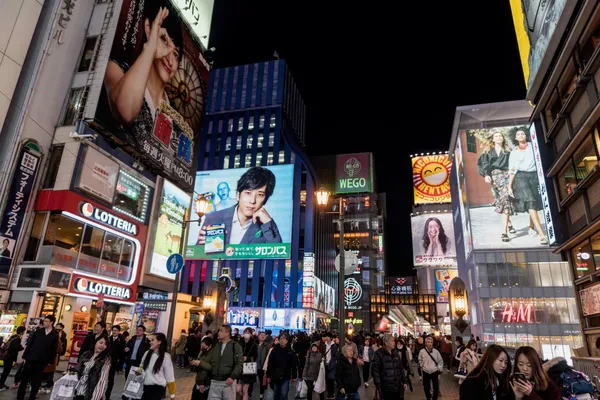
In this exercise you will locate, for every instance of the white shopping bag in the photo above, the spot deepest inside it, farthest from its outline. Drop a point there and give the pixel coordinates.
(320, 386)
(301, 389)
(134, 386)
(64, 388)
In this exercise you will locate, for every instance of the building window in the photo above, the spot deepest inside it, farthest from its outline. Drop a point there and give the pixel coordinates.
(74, 104)
(566, 181)
(554, 106)
(590, 38)
(35, 238)
(585, 158)
(53, 165)
(596, 249)
(91, 247)
(88, 54)
(583, 262)
(566, 85)
(471, 143)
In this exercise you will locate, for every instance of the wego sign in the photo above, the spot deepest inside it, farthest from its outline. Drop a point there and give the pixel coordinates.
(353, 173)
(107, 218)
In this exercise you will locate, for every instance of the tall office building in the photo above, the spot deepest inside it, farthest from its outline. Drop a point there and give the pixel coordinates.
(255, 116)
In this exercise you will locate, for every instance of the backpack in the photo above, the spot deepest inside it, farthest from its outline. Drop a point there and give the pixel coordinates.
(5, 347)
(574, 383)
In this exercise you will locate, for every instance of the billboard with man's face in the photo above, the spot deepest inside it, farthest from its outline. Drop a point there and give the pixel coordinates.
(249, 214)
(503, 190)
(154, 89)
(433, 239)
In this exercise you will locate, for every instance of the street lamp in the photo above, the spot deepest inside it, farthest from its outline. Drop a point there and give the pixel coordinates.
(322, 200)
(201, 203)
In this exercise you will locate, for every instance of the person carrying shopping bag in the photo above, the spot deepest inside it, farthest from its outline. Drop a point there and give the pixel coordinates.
(92, 371)
(312, 366)
(157, 369)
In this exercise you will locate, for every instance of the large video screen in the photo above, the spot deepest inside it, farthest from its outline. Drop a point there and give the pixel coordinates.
(249, 214)
(169, 229)
(443, 277)
(502, 189)
(155, 83)
(433, 239)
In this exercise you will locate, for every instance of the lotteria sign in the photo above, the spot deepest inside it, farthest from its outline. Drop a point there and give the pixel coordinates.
(88, 210)
(88, 286)
(353, 173)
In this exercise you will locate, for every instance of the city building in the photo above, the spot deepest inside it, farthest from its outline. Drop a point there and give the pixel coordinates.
(519, 288)
(364, 229)
(434, 250)
(255, 117)
(95, 202)
(566, 117)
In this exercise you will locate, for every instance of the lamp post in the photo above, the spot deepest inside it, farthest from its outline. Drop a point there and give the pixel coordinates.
(201, 206)
(322, 200)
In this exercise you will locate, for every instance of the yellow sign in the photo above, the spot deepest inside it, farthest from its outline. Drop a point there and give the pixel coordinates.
(431, 178)
(354, 321)
(522, 38)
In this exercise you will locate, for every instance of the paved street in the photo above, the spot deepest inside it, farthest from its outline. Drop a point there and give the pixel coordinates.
(486, 230)
(185, 382)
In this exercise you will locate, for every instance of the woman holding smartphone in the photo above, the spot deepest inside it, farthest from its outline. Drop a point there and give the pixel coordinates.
(489, 380)
(530, 381)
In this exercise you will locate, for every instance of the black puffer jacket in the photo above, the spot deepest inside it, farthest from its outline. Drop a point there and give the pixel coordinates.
(347, 375)
(387, 371)
(283, 364)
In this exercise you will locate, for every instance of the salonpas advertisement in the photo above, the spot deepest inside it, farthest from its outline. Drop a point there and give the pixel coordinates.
(249, 214)
(169, 228)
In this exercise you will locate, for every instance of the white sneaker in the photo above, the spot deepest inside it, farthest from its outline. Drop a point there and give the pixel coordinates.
(532, 233)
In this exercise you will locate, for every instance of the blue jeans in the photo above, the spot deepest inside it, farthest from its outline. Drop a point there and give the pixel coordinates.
(281, 389)
(348, 396)
(180, 360)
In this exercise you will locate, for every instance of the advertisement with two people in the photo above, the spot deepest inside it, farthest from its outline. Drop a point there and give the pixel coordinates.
(505, 199)
(433, 239)
(154, 91)
(249, 214)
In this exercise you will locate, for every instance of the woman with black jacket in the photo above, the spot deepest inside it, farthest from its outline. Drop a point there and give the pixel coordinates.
(490, 378)
(250, 354)
(347, 376)
(92, 371)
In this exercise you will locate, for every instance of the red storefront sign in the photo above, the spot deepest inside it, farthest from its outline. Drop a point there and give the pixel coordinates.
(77, 342)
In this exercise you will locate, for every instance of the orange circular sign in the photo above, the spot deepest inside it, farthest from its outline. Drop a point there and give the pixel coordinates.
(431, 179)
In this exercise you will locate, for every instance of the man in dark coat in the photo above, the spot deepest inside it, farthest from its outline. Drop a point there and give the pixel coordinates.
(40, 352)
(387, 371)
(90, 340)
(14, 347)
(282, 366)
(135, 349)
(117, 352)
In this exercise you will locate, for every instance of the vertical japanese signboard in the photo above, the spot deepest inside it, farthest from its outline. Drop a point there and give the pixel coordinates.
(16, 207)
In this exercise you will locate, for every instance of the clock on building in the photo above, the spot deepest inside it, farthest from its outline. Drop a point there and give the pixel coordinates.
(187, 93)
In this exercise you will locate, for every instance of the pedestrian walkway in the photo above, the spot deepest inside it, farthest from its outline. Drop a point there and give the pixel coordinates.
(185, 383)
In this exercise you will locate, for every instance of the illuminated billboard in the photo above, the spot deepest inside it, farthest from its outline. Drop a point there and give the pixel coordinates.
(433, 239)
(159, 121)
(443, 277)
(431, 178)
(353, 173)
(169, 228)
(502, 189)
(249, 214)
(401, 285)
(535, 24)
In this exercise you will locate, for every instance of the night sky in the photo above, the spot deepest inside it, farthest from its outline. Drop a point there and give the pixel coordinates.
(374, 77)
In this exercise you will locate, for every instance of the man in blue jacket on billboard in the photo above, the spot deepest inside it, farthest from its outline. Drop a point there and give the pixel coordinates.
(247, 222)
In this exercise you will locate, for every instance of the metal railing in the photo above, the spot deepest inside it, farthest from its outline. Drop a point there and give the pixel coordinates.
(589, 366)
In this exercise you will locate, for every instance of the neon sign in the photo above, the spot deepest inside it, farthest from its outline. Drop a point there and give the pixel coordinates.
(523, 313)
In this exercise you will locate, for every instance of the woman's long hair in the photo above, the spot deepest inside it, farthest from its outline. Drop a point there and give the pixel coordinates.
(486, 367)
(489, 144)
(471, 343)
(162, 349)
(441, 236)
(540, 377)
